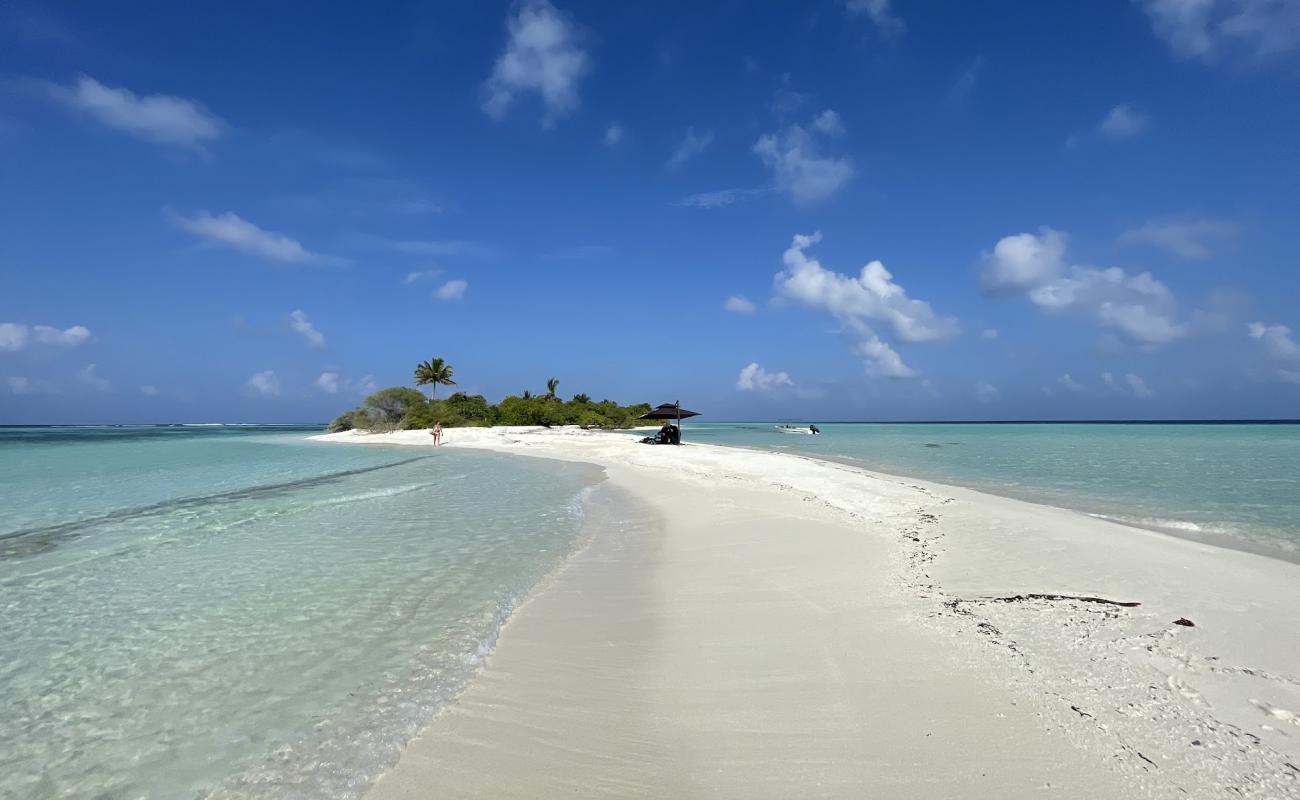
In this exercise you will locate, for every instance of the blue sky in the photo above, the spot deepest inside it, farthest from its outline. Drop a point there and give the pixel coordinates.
(873, 209)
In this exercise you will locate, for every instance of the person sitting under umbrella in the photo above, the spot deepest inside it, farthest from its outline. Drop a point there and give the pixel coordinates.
(669, 433)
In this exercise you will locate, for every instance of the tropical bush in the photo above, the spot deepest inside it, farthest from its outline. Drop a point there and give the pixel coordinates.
(403, 407)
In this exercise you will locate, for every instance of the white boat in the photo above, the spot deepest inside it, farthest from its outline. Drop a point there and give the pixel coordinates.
(806, 430)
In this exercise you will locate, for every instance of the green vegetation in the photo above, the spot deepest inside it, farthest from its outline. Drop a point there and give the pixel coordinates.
(400, 407)
(434, 372)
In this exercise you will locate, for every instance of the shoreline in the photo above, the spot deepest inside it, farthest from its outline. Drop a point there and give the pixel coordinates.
(1227, 541)
(1156, 707)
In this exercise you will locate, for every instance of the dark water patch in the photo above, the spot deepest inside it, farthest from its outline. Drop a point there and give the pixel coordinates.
(33, 541)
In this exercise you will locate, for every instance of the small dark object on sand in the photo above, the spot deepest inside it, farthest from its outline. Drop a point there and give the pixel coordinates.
(1185, 622)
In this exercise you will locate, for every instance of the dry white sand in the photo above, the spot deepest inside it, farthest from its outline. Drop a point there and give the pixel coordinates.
(770, 625)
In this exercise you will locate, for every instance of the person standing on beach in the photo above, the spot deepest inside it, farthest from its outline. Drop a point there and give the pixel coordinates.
(437, 433)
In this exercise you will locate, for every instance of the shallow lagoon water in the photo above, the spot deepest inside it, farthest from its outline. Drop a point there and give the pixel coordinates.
(1232, 483)
(241, 613)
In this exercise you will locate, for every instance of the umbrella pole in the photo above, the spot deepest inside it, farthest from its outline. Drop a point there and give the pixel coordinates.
(679, 421)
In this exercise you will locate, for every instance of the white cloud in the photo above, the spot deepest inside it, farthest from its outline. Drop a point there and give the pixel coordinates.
(265, 383)
(366, 384)
(1070, 383)
(1122, 122)
(871, 296)
(1023, 261)
(419, 275)
(1138, 307)
(19, 385)
(829, 123)
(1186, 238)
(15, 336)
(739, 304)
(91, 377)
(613, 134)
(754, 378)
(986, 392)
(1138, 386)
(302, 326)
(990, 333)
(328, 382)
(722, 197)
(149, 391)
(882, 361)
(451, 290)
(230, 230)
(543, 55)
(794, 155)
(1276, 340)
(68, 337)
(1210, 29)
(158, 118)
(692, 145)
(880, 14)
(1132, 384)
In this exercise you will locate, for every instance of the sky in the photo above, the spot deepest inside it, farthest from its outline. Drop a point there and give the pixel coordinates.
(838, 210)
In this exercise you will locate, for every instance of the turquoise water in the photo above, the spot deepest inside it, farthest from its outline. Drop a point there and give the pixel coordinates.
(1235, 484)
(235, 612)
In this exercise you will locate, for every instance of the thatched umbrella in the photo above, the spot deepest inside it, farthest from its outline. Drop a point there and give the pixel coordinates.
(670, 411)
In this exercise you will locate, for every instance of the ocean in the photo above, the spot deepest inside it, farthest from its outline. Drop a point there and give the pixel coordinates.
(235, 612)
(1230, 484)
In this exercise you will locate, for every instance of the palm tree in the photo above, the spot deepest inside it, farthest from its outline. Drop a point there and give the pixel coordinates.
(551, 386)
(582, 398)
(435, 371)
(527, 395)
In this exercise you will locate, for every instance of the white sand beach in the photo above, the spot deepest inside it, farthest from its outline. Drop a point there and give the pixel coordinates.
(768, 625)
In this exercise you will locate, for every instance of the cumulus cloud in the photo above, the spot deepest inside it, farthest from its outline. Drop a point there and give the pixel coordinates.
(148, 390)
(882, 361)
(1276, 340)
(858, 302)
(739, 304)
(264, 383)
(1122, 122)
(302, 326)
(1195, 239)
(1070, 383)
(543, 56)
(1137, 386)
(986, 392)
(1023, 261)
(90, 376)
(880, 13)
(230, 230)
(15, 336)
(794, 155)
(158, 118)
(754, 378)
(18, 384)
(451, 290)
(328, 382)
(720, 198)
(829, 123)
(1211, 29)
(691, 145)
(613, 134)
(1138, 307)
(870, 296)
(990, 333)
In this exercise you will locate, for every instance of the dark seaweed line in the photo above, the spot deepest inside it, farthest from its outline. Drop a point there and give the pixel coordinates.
(167, 506)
